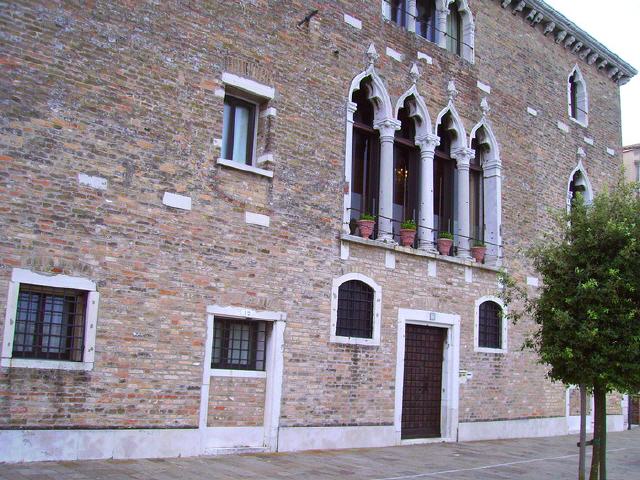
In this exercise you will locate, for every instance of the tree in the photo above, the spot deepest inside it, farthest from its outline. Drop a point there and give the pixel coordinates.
(587, 312)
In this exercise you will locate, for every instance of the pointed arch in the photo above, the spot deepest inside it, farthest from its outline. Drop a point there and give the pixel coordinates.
(417, 110)
(580, 178)
(377, 93)
(456, 125)
(577, 97)
(482, 133)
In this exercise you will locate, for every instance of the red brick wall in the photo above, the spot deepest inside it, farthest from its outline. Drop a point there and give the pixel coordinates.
(125, 91)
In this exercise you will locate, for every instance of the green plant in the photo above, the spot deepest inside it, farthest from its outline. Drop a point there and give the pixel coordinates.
(478, 243)
(447, 235)
(408, 224)
(367, 216)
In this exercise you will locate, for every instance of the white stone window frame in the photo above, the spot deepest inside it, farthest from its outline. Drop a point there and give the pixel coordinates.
(22, 276)
(450, 371)
(258, 95)
(377, 310)
(274, 367)
(492, 190)
(503, 325)
(588, 193)
(441, 14)
(582, 97)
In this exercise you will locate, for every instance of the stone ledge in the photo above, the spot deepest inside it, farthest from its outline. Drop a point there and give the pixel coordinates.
(417, 253)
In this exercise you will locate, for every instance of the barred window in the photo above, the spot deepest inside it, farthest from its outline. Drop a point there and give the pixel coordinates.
(50, 323)
(355, 310)
(239, 344)
(490, 325)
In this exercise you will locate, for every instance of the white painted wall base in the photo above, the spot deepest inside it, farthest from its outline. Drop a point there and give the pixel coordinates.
(40, 445)
(326, 438)
(56, 445)
(525, 428)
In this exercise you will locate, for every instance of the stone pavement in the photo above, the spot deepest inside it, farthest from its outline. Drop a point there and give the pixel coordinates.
(552, 458)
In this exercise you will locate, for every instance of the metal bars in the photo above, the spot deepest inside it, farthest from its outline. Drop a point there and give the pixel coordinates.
(490, 325)
(239, 344)
(50, 323)
(355, 310)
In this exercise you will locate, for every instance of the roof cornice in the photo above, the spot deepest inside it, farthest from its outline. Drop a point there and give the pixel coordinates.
(570, 36)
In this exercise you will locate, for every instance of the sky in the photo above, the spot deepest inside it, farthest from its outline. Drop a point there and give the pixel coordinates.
(615, 24)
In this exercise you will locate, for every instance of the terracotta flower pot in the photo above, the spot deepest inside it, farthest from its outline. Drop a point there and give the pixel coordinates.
(478, 253)
(444, 245)
(407, 236)
(366, 227)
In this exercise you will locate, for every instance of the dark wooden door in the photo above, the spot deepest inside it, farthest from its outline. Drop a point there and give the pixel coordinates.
(422, 389)
(635, 409)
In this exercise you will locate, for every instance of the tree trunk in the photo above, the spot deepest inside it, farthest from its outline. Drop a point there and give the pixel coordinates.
(595, 457)
(583, 432)
(603, 434)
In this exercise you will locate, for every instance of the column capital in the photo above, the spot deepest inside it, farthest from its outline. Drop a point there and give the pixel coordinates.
(427, 142)
(463, 156)
(387, 128)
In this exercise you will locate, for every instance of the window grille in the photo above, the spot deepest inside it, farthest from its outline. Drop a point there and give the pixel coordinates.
(490, 325)
(239, 344)
(50, 323)
(355, 310)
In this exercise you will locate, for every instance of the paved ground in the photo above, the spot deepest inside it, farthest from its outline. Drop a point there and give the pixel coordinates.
(552, 458)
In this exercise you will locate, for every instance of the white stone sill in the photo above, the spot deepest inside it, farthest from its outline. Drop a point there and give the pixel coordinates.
(367, 342)
(578, 122)
(496, 351)
(220, 372)
(245, 168)
(46, 364)
(418, 253)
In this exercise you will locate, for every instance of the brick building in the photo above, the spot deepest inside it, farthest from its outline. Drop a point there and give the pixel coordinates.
(181, 182)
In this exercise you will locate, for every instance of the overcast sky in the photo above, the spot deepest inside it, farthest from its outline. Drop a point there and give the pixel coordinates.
(615, 24)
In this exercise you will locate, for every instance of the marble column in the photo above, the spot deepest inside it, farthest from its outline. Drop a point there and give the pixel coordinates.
(346, 217)
(387, 130)
(463, 157)
(441, 26)
(411, 15)
(427, 144)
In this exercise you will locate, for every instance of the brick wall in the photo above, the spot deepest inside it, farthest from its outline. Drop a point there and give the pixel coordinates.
(126, 91)
(236, 402)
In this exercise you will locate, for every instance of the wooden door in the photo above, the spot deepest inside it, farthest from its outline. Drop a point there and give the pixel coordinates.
(422, 388)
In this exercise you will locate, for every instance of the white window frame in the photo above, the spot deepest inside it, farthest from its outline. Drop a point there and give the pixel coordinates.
(20, 276)
(274, 367)
(582, 96)
(258, 95)
(476, 326)
(377, 310)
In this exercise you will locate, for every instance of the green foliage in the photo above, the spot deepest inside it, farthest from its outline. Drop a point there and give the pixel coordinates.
(478, 243)
(367, 216)
(446, 235)
(588, 307)
(408, 224)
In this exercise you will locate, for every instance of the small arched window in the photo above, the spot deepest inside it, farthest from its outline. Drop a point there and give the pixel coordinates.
(578, 101)
(579, 185)
(398, 11)
(490, 325)
(454, 29)
(355, 310)
(426, 19)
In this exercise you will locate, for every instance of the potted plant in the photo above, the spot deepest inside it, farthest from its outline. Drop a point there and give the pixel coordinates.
(366, 224)
(478, 251)
(445, 240)
(407, 232)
